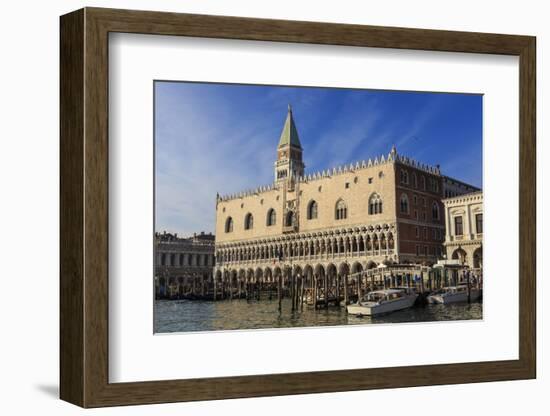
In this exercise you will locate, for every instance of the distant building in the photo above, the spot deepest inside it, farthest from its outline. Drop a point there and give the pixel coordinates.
(340, 221)
(464, 224)
(182, 265)
(453, 187)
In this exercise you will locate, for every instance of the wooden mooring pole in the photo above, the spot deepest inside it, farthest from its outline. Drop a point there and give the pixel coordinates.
(314, 285)
(346, 299)
(297, 292)
(280, 290)
(302, 281)
(326, 290)
(292, 291)
(338, 289)
(469, 287)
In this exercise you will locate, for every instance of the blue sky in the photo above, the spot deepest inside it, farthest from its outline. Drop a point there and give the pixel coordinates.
(222, 138)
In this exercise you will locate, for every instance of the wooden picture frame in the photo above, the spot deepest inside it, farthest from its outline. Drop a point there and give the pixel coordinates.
(84, 207)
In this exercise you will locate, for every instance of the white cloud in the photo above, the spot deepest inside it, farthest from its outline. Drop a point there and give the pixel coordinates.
(207, 144)
(196, 157)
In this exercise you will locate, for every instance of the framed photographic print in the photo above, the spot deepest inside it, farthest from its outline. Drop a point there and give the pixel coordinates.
(256, 207)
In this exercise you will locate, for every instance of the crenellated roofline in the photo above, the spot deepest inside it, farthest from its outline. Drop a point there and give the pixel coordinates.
(249, 192)
(391, 157)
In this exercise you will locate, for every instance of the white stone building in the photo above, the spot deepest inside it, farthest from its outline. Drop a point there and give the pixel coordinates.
(464, 229)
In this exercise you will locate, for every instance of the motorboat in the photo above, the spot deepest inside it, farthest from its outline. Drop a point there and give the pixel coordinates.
(452, 294)
(383, 301)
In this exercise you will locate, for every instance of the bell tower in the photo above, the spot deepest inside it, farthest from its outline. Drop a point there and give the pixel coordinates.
(289, 165)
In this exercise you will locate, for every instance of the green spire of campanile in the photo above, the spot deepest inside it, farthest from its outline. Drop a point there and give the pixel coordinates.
(289, 164)
(289, 135)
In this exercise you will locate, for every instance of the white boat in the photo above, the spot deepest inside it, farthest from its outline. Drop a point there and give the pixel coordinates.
(454, 294)
(383, 301)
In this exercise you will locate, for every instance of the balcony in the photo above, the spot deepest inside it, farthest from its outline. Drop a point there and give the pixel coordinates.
(290, 229)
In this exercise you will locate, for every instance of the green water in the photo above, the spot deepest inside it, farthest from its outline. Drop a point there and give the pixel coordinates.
(190, 316)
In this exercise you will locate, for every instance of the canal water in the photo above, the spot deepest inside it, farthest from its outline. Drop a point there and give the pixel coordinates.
(192, 315)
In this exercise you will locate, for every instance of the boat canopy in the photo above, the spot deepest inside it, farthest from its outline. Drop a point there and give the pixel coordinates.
(387, 291)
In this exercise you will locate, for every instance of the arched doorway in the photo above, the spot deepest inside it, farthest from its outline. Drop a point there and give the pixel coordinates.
(319, 284)
(308, 274)
(268, 275)
(460, 255)
(371, 265)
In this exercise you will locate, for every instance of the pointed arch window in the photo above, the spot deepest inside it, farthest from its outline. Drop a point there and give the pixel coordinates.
(271, 217)
(435, 211)
(229, 225)
(312, 210)
(341, 210)
(383, 244)
(391, 243)
(404, 177)
(289, 220)
(375, 242)
(248, 221)
(375, 204)
(404, 204)
(414, 180)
